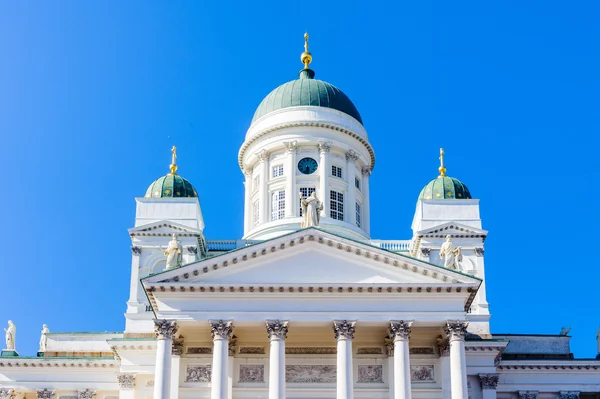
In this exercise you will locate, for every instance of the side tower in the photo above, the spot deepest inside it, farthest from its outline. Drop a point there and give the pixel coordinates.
(447, 221)
(170, 211)
(306, 136)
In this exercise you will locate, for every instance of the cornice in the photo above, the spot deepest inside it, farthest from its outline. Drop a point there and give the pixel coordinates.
(549, 365)
(41, 362)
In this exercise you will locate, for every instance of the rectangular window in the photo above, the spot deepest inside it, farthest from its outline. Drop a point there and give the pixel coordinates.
(306, 191)
(277, 171)
(278, 205)
(336, 205)
(357, 182)
(255, 213)
(336, 171)
(255, 182)
(358, 214)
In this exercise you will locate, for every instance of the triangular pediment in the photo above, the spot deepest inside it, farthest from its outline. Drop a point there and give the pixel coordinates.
(312, 257)
(162, 228)
(454, 229)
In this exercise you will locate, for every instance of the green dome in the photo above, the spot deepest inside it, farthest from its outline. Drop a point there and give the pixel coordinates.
(307, 91)
(171, 186)
(444, 187)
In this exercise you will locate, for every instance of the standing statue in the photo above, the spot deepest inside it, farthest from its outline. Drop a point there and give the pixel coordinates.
(174, 253)
(451, 254)
(11, 331)
(565, 331)
(310, 210)
(44, 338)
(598, 340)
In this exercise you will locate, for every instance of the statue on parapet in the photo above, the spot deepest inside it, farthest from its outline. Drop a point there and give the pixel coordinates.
(44, 338)
(174, 253)
(451, 255)
(11, 332)
(565, 331)
(311, 207)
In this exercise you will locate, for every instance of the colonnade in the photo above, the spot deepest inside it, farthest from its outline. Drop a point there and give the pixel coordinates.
(399, 331)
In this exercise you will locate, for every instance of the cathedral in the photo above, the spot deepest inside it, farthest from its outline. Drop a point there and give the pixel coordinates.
(305, 305)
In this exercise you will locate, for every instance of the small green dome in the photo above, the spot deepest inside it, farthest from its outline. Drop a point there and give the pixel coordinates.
(171, 186)
(444, 187)
(307, 91)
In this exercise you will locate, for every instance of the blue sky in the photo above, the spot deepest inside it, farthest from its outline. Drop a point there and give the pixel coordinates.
(94, 94)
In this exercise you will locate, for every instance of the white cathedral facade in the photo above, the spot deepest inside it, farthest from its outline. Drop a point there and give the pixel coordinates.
(306, 304)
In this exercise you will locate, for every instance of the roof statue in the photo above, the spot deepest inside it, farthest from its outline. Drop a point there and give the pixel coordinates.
(11, 332)
(442, 168)
(311, 207)
(44, 338)
(565, 331)
(173, 165)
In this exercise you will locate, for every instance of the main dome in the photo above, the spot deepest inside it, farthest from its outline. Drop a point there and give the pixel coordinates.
(307, 91)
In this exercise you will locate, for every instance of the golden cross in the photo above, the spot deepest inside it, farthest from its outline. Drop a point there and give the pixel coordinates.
(306, 42)
(442, 168)
(173, 166)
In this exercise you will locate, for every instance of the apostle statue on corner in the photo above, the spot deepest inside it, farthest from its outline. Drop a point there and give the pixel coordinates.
(11, 331)
(174, 253)
(44, 338)
(452, 255)
(311, 207)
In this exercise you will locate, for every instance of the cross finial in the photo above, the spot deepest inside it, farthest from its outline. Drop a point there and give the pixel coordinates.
(173, 166)
(442, 168)
(306, 56)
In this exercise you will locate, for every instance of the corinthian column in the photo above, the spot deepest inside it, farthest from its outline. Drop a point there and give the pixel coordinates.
(488, 385)
(350, 205)
(263, 192)
(164, 330)
(400, 333)
(247, 200)
(291, 194)
(221, 332)
(324, 172)
(344, 334)
(444, 350)
(277, 331)
(456, 330)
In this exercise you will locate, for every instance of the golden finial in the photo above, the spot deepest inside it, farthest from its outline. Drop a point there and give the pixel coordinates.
(442, 168)
(173, 160)
(306, 57)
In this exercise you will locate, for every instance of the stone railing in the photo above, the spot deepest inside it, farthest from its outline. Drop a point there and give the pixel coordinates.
(393, 245)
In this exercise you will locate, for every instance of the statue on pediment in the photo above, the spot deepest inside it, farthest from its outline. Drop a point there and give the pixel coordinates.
(311, 207)
(44, 338)
(11, 332)
(174, 253)
(450, 254)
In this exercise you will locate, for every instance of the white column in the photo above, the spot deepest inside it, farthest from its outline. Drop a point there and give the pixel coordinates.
(400, 333)
(324, 173)
(488, 385)
(165, 330)
(456, 330)
(351, 158)
(263, 193)
(277, 331)
(366, 175)
(230, 365)
(177, 349)
(344, 334)
(444, 351)
(291, 193)
(126, 385)
(134, 285)
(247, 200)
(221, 332)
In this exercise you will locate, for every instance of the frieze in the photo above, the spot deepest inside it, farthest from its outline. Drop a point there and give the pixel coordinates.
(126, 380)
(421, 373)
(528, 394)
(370, 374)
(198, 373)
(252, 373)
(310, 351)
(370, 351)
(427, 350)
(252, 350)
(310, 374)
(199, 350)
(490, 381)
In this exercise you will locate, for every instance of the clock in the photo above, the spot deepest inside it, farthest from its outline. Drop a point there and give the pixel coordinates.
(307, 166)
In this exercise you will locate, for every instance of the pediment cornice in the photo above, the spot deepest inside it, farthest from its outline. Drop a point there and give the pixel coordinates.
(163, 228)
(454, 229)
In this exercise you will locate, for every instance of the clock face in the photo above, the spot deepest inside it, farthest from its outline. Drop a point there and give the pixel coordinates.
(307, 166)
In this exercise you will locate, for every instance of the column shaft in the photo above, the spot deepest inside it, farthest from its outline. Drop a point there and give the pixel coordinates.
(221, 332)
(263, 193)
(175, 370)
(444, 350)
(350, 216)
(165, 329)
(366, 175)
(324, 172)
(400, 333)
(344, 333)
(291, 194)
(456, 331)
(277, 331)
(247, 201)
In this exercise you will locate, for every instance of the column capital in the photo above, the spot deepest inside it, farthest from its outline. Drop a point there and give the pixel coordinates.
(291, 146)
(528, 394)
(177, 347)
(7, 393)
(400, 329)
(351, 156)
(221, 329)
(277, 329)
(165, 329)
(366, 171)
(45, 393)
(344, 329)
(136, 250)
(389, 346)
(248, 173)
(568, 395)
(126, 380)
(456, 329)
(443, 346)
(263, 155)
(86, 393)
(323, 146)
(488, 381)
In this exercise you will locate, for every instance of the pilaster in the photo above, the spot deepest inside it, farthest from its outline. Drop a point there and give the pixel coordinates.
(291, 194)
(324, 172)
(351, 158)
